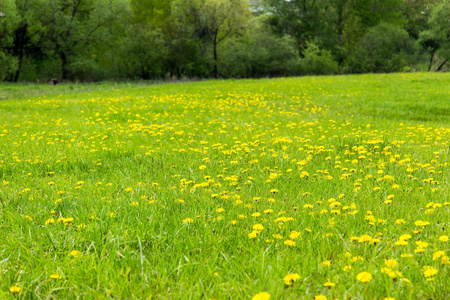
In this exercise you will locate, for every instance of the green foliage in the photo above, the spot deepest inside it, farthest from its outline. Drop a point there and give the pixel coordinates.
(143, 53)
(438, 35)
(104, 39)
(317, 61)
(8, 22)
(8, 65)
(258, 54)
(383, 48)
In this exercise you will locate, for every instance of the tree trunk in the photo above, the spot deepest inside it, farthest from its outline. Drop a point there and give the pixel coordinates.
(442, 65)
(20, 42)
(431, 61)
(65, 65)
(215, 71)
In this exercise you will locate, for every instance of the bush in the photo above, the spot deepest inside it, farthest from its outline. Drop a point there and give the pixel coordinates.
(144, 53)
(317, 61)
(258, 53)
(8, 65)
(383, 48)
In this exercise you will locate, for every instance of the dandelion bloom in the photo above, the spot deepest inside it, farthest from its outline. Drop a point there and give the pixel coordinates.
(258, 227)
(364, 277)
(429, 271)
(391, 263)
(261, 296)
(187, 220)
(15, 289)
(74, 253)
(325, 263)
(290, 279)
(320, 297)
(444, 238)
(290, 243)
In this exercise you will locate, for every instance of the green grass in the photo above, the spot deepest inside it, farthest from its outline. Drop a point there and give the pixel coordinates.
(165, 184)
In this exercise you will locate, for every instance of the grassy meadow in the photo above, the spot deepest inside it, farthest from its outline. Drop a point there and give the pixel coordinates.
(290, 188)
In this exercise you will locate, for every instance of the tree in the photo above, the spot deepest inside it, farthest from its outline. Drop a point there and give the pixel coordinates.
(8, 23)
(213, 21)
(301, 19)
(436, 40)
(416, 14)
(383, 48)
(144, 52)
(74, 24)
(259, 53)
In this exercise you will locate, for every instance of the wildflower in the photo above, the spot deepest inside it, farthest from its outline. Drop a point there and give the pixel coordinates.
(258, 227)
(294, 235)
(326, 263)
(15, 289)
(50, 221)
(347, 268)
(364, 277)
(444, 238)
(365, 238)
(320, 297)
(261, 296)
(290, 279)
(391, 263)
(329, 284)
(429, 271)
(290, 243)
(438, 254)
(187, 221)
(253, 234)
(75, 253)
(421, 223)
(55, 276)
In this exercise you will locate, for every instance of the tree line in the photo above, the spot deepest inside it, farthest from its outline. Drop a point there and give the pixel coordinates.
(158, 39)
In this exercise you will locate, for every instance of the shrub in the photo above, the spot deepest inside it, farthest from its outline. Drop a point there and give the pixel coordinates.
(317, 61)
(383, 48)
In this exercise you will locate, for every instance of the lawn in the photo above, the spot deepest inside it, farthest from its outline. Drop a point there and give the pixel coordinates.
(291, 187)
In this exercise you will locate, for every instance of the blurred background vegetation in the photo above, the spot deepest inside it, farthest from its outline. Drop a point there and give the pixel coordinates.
(93, 40)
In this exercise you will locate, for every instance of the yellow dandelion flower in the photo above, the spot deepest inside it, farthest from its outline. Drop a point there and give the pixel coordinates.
(290, 279)
(326, 263)
(444, 238)
(258, 227)
(290, 243)
(75, 253)
(364, 277)
(261, 296)
(429, 271)
(253, 234)
(347, 268)
(187, 221)
(15, 289)
(421, 223)
(391, 263)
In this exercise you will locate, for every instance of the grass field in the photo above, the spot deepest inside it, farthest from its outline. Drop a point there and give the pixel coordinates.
(298, 188)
